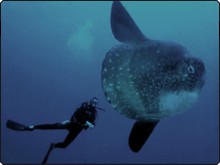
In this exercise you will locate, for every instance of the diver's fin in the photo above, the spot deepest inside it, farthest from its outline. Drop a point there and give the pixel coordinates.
(17, 126)
(48, 153)
(123, 26)
(140, 133)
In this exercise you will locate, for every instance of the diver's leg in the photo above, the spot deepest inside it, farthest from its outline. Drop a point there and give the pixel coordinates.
(73, 132)
(60, 125)
(48, 153)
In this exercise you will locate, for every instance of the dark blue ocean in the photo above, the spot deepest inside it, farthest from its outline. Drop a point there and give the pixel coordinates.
(51, 59)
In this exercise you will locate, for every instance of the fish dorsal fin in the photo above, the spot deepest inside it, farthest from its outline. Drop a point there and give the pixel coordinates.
(123, 26)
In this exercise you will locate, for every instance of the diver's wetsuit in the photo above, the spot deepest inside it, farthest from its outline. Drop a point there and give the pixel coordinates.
(75, 125)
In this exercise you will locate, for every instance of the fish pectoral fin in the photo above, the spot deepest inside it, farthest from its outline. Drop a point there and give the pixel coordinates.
(123, 26)
(139, 134)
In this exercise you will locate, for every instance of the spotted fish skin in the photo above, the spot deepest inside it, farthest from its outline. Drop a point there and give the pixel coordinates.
(134, 76)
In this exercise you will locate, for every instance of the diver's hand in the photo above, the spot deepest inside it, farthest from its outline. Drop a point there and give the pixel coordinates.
(89, 124)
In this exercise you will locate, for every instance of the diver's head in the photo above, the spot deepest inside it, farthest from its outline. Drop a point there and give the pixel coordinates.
(94, 101)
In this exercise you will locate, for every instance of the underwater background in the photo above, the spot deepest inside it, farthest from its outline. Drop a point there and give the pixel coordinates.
(51, 59)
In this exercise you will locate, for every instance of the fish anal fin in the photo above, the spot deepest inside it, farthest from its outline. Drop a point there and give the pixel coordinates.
(140, 133)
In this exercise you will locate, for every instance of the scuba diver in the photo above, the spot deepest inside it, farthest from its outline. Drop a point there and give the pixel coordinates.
(83, 118)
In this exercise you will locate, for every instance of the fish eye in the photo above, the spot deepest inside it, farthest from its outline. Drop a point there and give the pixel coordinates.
(191, 69)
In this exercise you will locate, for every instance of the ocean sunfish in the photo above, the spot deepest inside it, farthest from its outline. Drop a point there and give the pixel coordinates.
(147, 80)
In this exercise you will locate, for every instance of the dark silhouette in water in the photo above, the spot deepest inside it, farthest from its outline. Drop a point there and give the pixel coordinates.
(83, 118)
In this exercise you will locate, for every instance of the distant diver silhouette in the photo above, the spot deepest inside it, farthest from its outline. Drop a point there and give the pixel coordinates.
(83, 118)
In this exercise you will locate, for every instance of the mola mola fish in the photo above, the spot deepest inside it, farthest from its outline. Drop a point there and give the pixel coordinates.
(147, 80)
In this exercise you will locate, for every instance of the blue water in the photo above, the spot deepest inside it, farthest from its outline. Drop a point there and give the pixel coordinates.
(51, 61)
